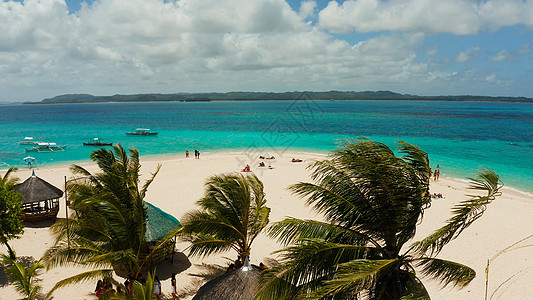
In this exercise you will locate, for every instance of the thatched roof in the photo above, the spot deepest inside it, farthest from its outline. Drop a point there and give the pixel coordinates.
(35, 189)
(235, 285)
(158, 223)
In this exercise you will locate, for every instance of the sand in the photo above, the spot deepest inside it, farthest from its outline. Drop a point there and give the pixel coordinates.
(180, 184)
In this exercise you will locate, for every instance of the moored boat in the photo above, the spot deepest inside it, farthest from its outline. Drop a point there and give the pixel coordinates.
(28, 141)
(97, 142)
(142, 131)
(46, 147)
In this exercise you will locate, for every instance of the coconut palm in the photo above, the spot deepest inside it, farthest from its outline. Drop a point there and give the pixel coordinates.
(107, 231)
(7, 181)
(10, 208)
(232, 214)
(372, 202)
(23, 278)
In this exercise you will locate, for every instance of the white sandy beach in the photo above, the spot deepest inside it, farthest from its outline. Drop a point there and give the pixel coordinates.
(180, 184)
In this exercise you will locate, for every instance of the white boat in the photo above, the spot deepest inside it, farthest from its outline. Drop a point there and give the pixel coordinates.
(28, 141)
(46, 147)
(142, 131)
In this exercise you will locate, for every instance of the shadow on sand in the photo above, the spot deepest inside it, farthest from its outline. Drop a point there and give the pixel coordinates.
(207, 272)
(40, 224)
(25, 260)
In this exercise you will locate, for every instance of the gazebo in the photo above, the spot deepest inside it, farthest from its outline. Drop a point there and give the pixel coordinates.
(40, 199)
(239, 284)
(158, 225)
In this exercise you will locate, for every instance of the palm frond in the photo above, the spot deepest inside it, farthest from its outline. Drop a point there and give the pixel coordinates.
(464, 213)
(22, 277)
(415, 289)
(149, 181)
(419, 160)
(354, 277)
(447, 272)
(313, 258)
(205, 245)
(273, 287)
(82, 277)
(291, 230)
(7, 181)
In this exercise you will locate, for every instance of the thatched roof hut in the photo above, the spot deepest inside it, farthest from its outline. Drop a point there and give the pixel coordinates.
(40, 199)
(235, 285)
(158, 223)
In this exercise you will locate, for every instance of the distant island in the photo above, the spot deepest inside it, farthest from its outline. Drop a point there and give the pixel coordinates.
(256, 96)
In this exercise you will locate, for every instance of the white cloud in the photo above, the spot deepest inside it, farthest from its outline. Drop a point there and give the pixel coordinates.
(307, 9)
(459, 17)
(432, 52)
(501, 56)
(139, 46)
(467, 55)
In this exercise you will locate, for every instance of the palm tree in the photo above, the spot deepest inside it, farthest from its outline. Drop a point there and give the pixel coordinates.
(372, 201)
(10, 208)
(232, 214)
(108, 228)
(24, 278)
(8, 182)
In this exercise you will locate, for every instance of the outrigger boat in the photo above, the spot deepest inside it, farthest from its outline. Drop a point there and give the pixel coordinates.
(142, 131)
(97, 142)
(46, 147)
(28, 141)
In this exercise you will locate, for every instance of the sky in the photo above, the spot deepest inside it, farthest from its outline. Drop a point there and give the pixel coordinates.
(422, 47)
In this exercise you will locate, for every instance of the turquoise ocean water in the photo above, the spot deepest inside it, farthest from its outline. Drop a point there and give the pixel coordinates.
(460, 136)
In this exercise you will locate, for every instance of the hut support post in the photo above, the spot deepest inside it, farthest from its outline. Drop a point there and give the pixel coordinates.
(66, 213)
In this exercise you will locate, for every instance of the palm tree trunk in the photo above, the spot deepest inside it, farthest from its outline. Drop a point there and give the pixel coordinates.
(11, 253)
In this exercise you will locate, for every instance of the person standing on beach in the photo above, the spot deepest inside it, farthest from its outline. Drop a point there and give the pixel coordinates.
(173, 287)
(195, 154)
(187, 153)
(198, 154)
(157, 288)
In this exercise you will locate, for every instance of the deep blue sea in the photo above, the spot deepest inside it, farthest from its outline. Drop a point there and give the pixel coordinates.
(461, 137)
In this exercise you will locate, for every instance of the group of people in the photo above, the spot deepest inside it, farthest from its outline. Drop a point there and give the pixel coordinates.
(435, 195)
(435, 174)
(105, 287)
(196, 154)
(265, 157)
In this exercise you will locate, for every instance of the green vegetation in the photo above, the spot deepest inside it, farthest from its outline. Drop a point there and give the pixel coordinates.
(10, 209)
(251, 96)
(372, 201)
(108, 229)
(232, 213)
(24, 277)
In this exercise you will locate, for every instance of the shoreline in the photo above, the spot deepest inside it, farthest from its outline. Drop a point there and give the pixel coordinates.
(238, 151)
(180, 183)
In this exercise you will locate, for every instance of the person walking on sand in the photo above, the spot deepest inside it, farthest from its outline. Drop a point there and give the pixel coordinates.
(157, 288)
(195, 154)
(186, 153)
(173, 287)
(198, 154)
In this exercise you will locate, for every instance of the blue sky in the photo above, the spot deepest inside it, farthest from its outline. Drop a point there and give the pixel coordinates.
(424, 47)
